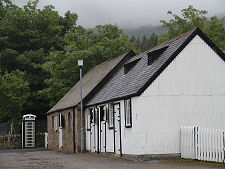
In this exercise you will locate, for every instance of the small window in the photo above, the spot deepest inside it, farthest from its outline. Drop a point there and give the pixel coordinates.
(111, 116)
(130, 65)
(128, 118)
(55, 124)
(69, 120)
(52, 122)
(102, 113)
(155, 54)
(92, 115)
(62, 121)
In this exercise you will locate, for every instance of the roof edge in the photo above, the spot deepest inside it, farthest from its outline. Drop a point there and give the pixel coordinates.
(111, 100)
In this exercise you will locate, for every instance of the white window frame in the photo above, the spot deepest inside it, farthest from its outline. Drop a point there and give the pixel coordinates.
(105, 112)
(55, 124)
(128, 113)
(111, 116)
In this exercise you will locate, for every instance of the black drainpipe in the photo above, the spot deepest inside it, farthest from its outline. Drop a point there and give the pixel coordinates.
(74, 143)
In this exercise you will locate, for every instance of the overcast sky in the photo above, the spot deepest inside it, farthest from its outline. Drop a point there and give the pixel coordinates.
(128, 13)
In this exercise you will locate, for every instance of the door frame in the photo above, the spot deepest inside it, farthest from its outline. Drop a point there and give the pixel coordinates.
(117, 103)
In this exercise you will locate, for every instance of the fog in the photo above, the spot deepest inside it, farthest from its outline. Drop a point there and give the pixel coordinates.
(128, 13)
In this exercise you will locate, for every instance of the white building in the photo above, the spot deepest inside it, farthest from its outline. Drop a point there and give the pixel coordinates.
(142, 107)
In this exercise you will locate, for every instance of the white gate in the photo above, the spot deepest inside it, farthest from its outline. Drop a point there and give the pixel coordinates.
(203, 144)
(46, 140)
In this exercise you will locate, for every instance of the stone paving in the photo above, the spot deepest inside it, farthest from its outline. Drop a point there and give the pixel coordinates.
(41, 158)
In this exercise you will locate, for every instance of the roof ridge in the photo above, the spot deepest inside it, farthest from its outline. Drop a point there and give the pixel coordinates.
(106, 62)
(179, 36)
(175, 38)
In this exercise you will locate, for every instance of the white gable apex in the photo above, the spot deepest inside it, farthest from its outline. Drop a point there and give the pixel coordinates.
(197, 70)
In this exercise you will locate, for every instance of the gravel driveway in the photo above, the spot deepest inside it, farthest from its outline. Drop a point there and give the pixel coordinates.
(41, 158)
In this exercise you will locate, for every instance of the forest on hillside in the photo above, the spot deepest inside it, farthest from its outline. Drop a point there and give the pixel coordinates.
(145, 30)
(146, 36)
(39, 50)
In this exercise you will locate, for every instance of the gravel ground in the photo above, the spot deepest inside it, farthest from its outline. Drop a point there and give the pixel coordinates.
(42, 158)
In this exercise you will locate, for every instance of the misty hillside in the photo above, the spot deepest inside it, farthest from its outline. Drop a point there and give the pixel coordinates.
(147, 30)
(144, 30)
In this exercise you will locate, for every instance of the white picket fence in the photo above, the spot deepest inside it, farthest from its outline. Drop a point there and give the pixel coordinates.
(202, 144)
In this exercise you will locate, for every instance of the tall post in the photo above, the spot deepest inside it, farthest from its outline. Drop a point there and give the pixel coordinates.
(81, 110)
(80, 64)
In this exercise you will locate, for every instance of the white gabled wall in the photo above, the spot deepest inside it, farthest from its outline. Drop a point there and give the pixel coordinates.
(189, 92)
(134, 138)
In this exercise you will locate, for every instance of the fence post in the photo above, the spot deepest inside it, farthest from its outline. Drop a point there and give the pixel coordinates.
(223, 150)
(46, 140)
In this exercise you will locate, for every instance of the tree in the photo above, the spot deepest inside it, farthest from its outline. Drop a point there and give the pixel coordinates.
(14, 91)
(94, 45)
(27, 36)
(153, 41)
(192, 18)
(138, 42)
(145, 43)
(132, 39)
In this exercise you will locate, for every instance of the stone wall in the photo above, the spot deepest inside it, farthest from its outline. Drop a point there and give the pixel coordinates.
(53, 136)
(15, 141)
(67, 131)
(40, 140)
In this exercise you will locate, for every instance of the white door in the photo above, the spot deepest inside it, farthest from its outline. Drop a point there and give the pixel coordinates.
(103, 138)
(97, 130)
(60, 130)
(93, 139)
(102, 129)
(117, 129)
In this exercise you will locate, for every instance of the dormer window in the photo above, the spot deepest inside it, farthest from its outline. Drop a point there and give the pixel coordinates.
(130, 65)
(155, 54)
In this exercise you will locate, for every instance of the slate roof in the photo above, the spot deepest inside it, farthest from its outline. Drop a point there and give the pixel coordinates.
(133, 83)
(91, 80)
